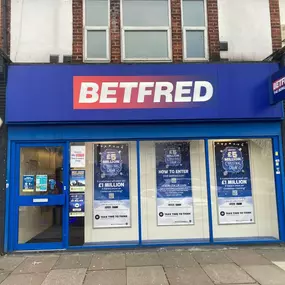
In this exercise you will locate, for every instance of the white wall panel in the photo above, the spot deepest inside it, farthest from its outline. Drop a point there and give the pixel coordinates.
(40, 28)
(245, 25)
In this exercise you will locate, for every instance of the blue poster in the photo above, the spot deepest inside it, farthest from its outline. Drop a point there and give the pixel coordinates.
(173, 183)
(234, 191)
(111, 187)
(76, 205)
(77, 181)
(41, 183)
(28, 183)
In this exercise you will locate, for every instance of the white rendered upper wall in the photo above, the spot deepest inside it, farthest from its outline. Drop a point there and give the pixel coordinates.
(245, 25)
(40, 28)
(282, 19)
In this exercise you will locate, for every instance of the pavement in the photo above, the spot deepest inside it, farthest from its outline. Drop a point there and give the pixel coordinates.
(156, 266)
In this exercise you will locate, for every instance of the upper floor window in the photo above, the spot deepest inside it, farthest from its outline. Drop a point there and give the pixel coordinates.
(194, 30)
(146, 30)
(96, 30)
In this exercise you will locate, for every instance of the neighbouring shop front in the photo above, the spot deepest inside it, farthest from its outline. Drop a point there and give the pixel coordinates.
(140, 155)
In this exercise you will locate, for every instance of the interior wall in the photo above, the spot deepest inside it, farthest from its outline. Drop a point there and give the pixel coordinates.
(150, 230)
(263, 192)
(110, 234)
(245, 25)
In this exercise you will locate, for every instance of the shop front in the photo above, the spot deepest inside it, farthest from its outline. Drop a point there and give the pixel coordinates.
(142, 155)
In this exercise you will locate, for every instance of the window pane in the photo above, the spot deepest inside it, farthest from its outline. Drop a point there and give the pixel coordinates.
(173, 191)
(193, 13)
(96, 44)
(145, 13)
(195, 47)
(146, 44)
(38, 224)
(41, 171)
(243, 189)
(96, 13)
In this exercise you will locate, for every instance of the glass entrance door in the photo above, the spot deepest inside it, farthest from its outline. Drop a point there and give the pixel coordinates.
(40, 197)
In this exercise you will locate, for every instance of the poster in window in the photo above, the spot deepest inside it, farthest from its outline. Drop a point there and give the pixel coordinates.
(77, 156)
(41, 183)
(234, 191)
(28, 183)
(173, 184)
(77, 181)
(111, 187)
(76, 205)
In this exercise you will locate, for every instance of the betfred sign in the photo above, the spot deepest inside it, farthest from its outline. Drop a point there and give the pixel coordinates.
(277, 86)
(138, 92)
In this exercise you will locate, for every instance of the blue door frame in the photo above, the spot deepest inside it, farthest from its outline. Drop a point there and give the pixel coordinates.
(50, 200)
(23, 136)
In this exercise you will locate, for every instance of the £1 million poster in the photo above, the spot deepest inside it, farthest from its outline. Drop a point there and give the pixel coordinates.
(173, 183)
(235, 203)
(111, 193)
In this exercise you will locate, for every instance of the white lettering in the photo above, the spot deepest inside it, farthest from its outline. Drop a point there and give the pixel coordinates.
(105, 92)
(197, 91)
(143, 91)
(163, 89)
(128, 86)
(181, 90)
(88, 92)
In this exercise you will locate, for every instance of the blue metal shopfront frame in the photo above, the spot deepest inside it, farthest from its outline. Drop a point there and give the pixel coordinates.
(62, 135)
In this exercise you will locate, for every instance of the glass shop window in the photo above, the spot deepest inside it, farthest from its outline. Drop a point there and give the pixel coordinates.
(243, 189)
(103, 181)
(173, 191)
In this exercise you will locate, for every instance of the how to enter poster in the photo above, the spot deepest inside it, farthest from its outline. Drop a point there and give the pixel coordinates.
(235, 203)
(173, 183)
(111, 187)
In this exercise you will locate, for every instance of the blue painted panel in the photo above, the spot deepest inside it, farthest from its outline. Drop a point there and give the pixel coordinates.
(44, 93)
(142, 131)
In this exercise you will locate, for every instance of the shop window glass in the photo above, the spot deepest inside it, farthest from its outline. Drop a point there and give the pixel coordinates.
(173, 191)
(103, 182)
(40, 224)
(243, 189)
(41, 171)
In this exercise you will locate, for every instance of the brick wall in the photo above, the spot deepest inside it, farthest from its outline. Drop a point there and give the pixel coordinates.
(115, 33)
(275, 24)
(8, 23)
(213, 30)
(77, 44)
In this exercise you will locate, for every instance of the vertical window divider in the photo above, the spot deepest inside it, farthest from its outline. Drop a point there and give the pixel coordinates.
(208, 181)
(139, 192)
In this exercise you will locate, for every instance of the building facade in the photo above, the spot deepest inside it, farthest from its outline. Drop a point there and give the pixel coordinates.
(150, 123)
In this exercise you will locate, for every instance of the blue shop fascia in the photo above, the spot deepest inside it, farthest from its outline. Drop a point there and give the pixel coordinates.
(144, 155)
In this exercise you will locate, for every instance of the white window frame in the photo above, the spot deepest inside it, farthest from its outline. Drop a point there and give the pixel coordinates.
(96, 28)
(146, 28)
(195, 28)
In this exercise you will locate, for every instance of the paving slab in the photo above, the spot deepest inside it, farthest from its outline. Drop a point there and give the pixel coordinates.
(65, 276)
(187, 276)
(266, 274)
(147, 275)
(108, 277)
(280, 264)
(211, 257)
(41, 263)
(247, 257)
(142, 259)
(73, 261)
(10, 263)
(25, 279)
(177, 259)
(102, 261)
(227, 274)
(3, 276)
(273, 254)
